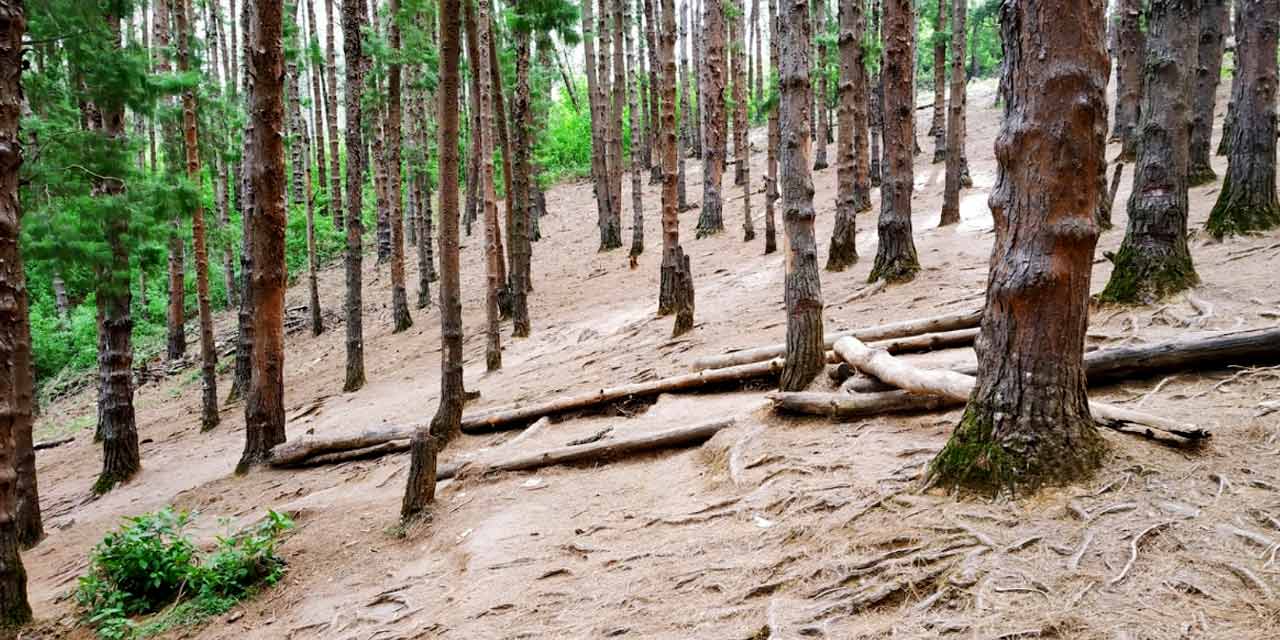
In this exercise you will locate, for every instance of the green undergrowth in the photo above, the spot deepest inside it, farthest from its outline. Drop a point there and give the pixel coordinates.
(150, 577)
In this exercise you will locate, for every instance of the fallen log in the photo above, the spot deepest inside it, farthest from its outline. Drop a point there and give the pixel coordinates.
(516, 416)
(935, 324)
(958, 386)
(49, 444)
(860, 405)
(302, 451)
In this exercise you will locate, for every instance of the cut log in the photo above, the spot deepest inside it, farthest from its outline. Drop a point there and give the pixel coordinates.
(49, 444)
(512, 417)
(860, 405)
(958, 386)
(936, 324)
(300, 451)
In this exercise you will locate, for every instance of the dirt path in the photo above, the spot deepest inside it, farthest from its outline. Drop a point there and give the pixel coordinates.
(803, 527)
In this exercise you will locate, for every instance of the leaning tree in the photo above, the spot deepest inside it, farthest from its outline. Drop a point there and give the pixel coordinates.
(1027, 422)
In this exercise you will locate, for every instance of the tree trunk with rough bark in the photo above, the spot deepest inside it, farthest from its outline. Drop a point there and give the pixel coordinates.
(244, 191)
(896, 259)
(15, 332)
(400, 318)
(741, 134)
(711, 217)
(851, 175)
(503, 139)
(264, 397)
(775, 138)
(1154, 261)
(655, 74)
(599, 124)
(1247, 202)
(479, 19)
(957, 119)
(447, 423)
(758, 84)
(1131, 42)
(522, 149)
(353, 257)
(675, 293)
(806, 353)
(176, 335)
(208, 353)
(687, 124)
(617, 106)
(1212, 37)
(336, 203)
(875, 111)
(938, 124)
(1027, 422)
(317, 101)
(822, 130)
(637, 201)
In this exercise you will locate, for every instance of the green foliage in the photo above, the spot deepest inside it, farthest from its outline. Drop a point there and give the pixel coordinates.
(152, 563)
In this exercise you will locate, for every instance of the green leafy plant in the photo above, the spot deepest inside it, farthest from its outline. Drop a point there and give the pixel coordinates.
(151, 567)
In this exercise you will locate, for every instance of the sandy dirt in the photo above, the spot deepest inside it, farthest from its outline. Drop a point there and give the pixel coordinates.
(778, 527)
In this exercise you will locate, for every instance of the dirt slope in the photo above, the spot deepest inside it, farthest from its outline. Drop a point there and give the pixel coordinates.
(779, 528)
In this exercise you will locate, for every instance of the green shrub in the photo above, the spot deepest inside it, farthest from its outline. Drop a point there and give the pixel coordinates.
(151, 563)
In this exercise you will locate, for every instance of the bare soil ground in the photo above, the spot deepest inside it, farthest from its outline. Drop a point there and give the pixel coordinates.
(777, 528)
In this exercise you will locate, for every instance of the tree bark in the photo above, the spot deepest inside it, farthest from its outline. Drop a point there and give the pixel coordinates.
(317, 100)
(504, 143)
(851, 121)
(687, 123)
(208, 353)
(1212, 30)
(1154, 261)
(655, 81)
(264, 397)
(957, 119)
(336, 203)
(675, 293)
(352, 19)
(446, 425)
(521, 184)
(244, 191)
(938, 125)
(1247, 202)
(711, 217)
(1131, 42)
(637, 201)
(896, 259)
(802, 287)
(875, 110)
(401, 320)
(771, 194)
(1027, 422)
(15, 334)
(599, 124)
(479, 17)
(741, 144)
(176, 311)
(617, 106)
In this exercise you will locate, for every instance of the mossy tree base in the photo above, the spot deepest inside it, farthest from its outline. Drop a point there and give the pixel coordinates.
(1236, 212)
(992, 451)
(1200, 176)
(893, 269)
(1145, 275)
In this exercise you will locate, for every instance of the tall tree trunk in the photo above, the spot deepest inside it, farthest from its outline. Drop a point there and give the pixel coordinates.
(675, 293)
(208, 353)
(741, 144)
(637, 201)
(850, 174)
(353, 51)
(693, 111)
(642, 78)
(222, 196)
(317, 100)
(248, 203)
(771, 194)
(599, 125)
(1212, 29)
(378, 166)
(399, 297)
(655, 82)
(1247, 202)
(264, 397)
(711, 218)
(938, 125)
(758, 86)
(875, 112)
(479, 16)
(15, 333)
(821, 132)
(618, 106)
(175, 328)
(687, 124)
(1131, 42)
(117, 427)
(957, 120)
(1154, 260)
(521, 148)
(504, 143)
(447, 423)
(896, 259)
(802, 289)
(1027, 422)
(336, 203)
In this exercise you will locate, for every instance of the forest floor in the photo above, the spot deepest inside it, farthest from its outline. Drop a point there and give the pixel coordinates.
(818, 532)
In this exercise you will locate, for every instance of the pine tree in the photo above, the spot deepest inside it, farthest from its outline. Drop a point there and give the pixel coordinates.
(353, 50)
(711, 217)
(675, 288)
(896, 253)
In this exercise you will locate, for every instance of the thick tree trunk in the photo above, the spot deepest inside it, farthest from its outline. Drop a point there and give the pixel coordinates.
(522, 149)
(1212, 36)
(850, 121)
(1131, 42)
(802, 287)
(637, 201)
(336, 202)
(741, 144)
(15, 334)
(938, 124)
(1154, 261)
(400, 318)
(1247, 202)
(29, 521)
(352, 19)
(264, 397)
(957, 120)
(675, 293)
(208, 353)
(711, 217)
(1027, 422)
(599, 124)
(896, 259)
(771, 194)
(447, 423)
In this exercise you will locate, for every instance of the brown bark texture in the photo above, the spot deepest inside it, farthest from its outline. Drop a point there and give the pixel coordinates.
(711, 217)
(1027, 422)
(938, 124)
(637, 200)
(775, 138)
(400, 318)
(956, 119)
(176, 336)
(850, 122)
(1130, 44)
(1208, 71)
(675, 292)
(599, 125)
(479, 17)
(741, 133)
(521, 185)
(896, 259)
